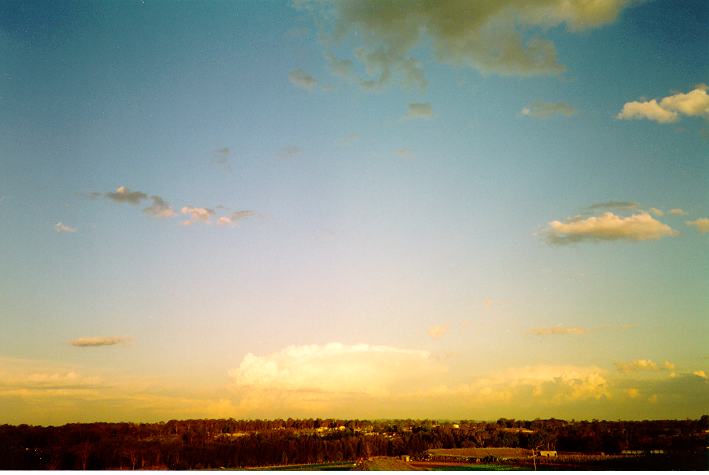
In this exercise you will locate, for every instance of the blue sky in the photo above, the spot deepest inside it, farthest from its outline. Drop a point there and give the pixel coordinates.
(498, 217)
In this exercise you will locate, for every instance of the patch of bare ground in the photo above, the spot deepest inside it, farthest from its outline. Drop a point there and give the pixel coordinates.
(385, 464)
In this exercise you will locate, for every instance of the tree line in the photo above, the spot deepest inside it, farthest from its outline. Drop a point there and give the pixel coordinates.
(215, 443)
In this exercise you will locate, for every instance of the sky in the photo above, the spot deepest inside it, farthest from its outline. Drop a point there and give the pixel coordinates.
(370, 209)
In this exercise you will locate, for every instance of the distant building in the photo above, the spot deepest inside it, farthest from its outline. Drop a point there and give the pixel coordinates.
(547, 453)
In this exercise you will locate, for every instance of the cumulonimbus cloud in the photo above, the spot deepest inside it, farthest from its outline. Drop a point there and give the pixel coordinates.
(694, 103)
(701, 224)
(303, 80)
(545, 110)
(608, 227)
(501, 37)
(558, 331)
(373, 370)
(88, 341)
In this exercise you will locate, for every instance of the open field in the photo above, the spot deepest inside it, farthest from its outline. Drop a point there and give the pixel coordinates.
(500, 452)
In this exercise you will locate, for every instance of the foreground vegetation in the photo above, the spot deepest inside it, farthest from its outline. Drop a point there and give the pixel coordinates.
(229, 443)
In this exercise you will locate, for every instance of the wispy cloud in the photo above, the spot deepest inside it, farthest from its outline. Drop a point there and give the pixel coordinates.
(289, 151)
(419, 110)
(702, 224)
(558, 330)
(405, 153)
(616, 205)
(235, 217)
(160, 208)
(88, 341)
(694, 103)
(678, 212)
(64, 228)
(437, 331)
(545, 110)
(487, 36)
(303, 80)
(608, 227)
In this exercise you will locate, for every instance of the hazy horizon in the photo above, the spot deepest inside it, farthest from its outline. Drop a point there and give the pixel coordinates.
(357, 210)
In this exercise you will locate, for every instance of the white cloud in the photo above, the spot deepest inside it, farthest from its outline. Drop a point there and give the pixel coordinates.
(419, 110)
(608, 227)
(500, 37)
(334, 368)
(657, 212)
(64, 228)
(98, 341)
(559, 331)
(678, 212)
(437, 331)
(544, 110)
(694, 103)
(197, 215)
(702, 224)
(303, 80)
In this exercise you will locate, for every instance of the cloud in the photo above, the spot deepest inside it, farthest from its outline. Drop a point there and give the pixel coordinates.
(617, 205)
(303, 80)
(608, 227)
(559, 331)
(694, 103)
(544, 110)
(437, 331)
(419, 110)
(643, 365)
(554, 384)
(98, 341)
(160, 208)
(63, 228)
(334, 368)
(197, 215)
(124, 195)
(702, 224)
(289, 151)
(657, 212)
(678, 212)
(234, 217)
(405, 153)
(500, 37)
